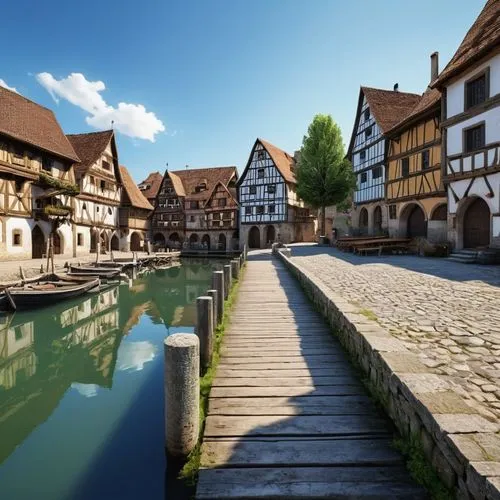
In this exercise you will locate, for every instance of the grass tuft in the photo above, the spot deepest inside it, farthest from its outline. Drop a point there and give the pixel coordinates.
(368, 313)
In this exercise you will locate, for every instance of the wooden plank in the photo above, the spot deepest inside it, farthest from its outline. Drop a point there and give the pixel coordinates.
(314, 372)
(251, 392)
(308, 483)
(279, 364)
(317, 425)
(274, 351)
(288, 360)
(291, 453)
(283, 382)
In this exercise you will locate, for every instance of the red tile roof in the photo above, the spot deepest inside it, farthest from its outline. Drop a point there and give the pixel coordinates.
(33, 124)
(177, 184)
(154, 180)
(482, 37)
(133, 193)
(283, 161)
(89, 147)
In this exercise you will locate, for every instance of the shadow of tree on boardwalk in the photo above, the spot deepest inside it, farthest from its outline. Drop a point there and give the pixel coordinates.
(288, 416)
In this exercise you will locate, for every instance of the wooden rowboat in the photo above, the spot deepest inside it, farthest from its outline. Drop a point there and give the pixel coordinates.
(101, 272)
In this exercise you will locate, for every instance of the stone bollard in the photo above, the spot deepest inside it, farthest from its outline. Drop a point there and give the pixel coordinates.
(245, 251)
(218, 284)
(213, 294)
(227, 280)
(235, 268)
(182, 394)
(205, 330)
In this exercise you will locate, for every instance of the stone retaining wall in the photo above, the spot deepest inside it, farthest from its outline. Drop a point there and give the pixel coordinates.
(463, 447)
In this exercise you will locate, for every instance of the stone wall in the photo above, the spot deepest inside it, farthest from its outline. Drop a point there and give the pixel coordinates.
(463, 447)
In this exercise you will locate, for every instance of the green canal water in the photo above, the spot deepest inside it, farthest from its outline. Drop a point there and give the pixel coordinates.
(81, 390)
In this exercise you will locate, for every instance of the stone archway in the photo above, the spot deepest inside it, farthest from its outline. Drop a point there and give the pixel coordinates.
(222, 242)
(193, 239)
(377, 220)
(206, 241)
(413, 222)
(37, 243)
(363, 221)
(440, 213)
(159, 239)
(135, 242)
(115, 243)
(476, 224)
(270, 235)
(254, 237)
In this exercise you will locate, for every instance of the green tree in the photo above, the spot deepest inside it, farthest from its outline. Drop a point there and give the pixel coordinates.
(325, 175)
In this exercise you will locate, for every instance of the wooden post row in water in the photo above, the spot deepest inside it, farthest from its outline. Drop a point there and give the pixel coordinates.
(235, 268)
(182, 394)
(227, 280)
(205, 330)
(218, 284)
(213, 293)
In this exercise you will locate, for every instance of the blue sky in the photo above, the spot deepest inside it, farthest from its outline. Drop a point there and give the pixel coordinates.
(216, 74)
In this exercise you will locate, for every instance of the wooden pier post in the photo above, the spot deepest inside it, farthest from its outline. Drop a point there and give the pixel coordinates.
(205, 330)
(235, 268)
(218, 284)
(227, 280)
(213, 293)
(182, 394)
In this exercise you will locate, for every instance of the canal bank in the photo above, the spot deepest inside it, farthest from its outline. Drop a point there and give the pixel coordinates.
(81, 389)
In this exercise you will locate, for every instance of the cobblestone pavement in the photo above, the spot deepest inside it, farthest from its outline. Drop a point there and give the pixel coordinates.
(447, 313)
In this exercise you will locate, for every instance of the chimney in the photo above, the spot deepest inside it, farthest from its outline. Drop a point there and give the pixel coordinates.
(396, 87)
(434, 65)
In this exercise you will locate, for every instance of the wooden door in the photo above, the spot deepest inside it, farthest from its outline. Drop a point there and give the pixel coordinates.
(416, 223)
(222, 242)
(377, 220)
(57, 244)
(477, 225)
(37, 243)
(363, 221)
(270, 234)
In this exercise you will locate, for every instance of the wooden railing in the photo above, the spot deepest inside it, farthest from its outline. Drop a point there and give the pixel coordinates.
(467, 163)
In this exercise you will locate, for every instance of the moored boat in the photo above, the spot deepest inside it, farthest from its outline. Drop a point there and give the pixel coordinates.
(98, 272)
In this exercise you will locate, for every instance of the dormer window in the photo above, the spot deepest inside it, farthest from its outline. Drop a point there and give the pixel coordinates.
(202, 186)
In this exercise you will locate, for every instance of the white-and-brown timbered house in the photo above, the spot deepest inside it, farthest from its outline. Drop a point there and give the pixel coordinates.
(135, 212)
(270, 209)
(150, 186)
(96, 213)
(470, 86)
(35, 156)
(378, 110)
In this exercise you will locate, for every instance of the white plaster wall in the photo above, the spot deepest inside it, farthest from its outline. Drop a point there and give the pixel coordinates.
(98, 213)
(24, 226)
(85, 248)
(478, 188)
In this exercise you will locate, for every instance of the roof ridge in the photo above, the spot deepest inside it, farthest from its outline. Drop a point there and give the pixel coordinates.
(364, 87)
(92, 133)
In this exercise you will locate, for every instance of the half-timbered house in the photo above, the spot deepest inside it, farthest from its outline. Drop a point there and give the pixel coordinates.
(378, 111)
(270, 209)
(135, 211)
(35, 155)
(415, 193)
(150, 186)
(470, 86)
(96, 213)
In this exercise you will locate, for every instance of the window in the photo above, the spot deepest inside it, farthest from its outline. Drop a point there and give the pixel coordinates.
(476, 90)
(271, 189)
(191, 219)
(362, 155)
(19, 185)
(368, 132)
(377, 172)
(253, 190)
(110, 212)
(97, 209)
(261, 155)
(106, 165)
(426, 159)
(363, 177)
(405, 167)
(103, 185)
(474, 138)
(271, 209)
(260, 209)
(392, 211)
(222, 202)
(367, 114)
(91, 179)
(17, 240)
(260, 173)
(47, 164)
(248, 210)
(194, 205)
(79, 239)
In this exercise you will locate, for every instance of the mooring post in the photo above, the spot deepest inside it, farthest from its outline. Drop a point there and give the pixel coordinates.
(235, 268)
(205, 330)
(245, 251)
(182, 394)
(218, 284)
(213, 293)
(227, 280)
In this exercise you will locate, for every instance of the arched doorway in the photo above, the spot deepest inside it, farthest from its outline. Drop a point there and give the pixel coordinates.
(57, 244)
(159, 240)
(115, 243)
(193, 240)
(270, 235)
(363, 221)
(135, 242)
(377, 219)
(416, 226)
(104, 239)
(440, 213)
(206, 241)
(254, 237)
(37, 243)
(477, 224)
(222, 242)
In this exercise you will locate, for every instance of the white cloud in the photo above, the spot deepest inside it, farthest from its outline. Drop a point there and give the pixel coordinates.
(3, 84)
(132, 120)
(134, 355)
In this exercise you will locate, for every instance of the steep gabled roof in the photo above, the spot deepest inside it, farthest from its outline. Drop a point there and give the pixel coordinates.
(89, 147)
(33, 124)
(177, 184)
(131, 190)
(430, 100)
(283, 161)
(482, 37)
(230, 191)
(154, 180)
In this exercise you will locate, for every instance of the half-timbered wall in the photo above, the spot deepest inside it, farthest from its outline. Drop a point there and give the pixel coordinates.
(368, 156)
(221, 210)
(168, 215)
(257, 203)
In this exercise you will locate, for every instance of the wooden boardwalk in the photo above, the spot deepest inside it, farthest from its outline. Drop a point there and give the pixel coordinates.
(288, 417)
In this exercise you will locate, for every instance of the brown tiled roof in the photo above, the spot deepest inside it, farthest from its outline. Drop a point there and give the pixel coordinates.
(429, 100)
(154, 180)
(211, 176)
(483, 36)
(89, 147)
(33, 124)
(388, 106)
(177, 184)
(283, 161)
(133, 193)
